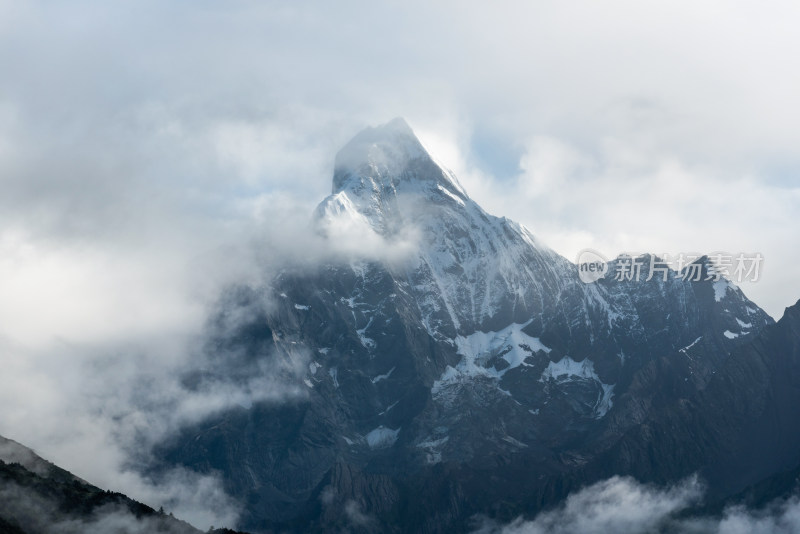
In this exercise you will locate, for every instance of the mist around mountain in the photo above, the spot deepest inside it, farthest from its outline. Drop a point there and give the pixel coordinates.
(453, 366)
(426, 366)
(38, 497)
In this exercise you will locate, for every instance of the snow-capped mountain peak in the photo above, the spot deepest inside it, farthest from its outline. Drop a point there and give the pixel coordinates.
(381, 151)
(381, 172)
(471, 268)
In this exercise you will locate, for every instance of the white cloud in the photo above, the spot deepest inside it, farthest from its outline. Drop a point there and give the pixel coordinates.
(623, 505)
(779, 518)
(150, 153)
(614, 505)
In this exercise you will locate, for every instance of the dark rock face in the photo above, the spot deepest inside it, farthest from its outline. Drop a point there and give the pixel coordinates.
(760, 384)
(733, 420)
(477, 373)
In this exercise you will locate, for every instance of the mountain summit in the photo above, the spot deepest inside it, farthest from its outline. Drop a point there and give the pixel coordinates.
(387, 157)
(382, 175)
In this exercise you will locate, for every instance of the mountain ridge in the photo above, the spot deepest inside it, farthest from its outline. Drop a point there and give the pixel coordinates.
(482, 356)
(38, 497)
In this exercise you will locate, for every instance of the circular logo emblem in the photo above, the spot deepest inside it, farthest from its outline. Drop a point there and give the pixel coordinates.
(592, 266)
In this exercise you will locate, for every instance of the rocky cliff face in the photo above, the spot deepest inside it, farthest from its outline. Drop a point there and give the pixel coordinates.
(472, 371)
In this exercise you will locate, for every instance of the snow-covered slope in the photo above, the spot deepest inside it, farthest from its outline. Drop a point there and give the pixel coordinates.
(474, 276)
(472, 270)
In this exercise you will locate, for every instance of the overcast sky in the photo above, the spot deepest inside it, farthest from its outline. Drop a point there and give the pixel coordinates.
(150, 152)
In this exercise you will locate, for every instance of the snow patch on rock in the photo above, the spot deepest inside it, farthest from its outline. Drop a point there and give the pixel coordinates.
(381, 437)
(720, 288)
(567, 369)
(480, 348)
(383, 377)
